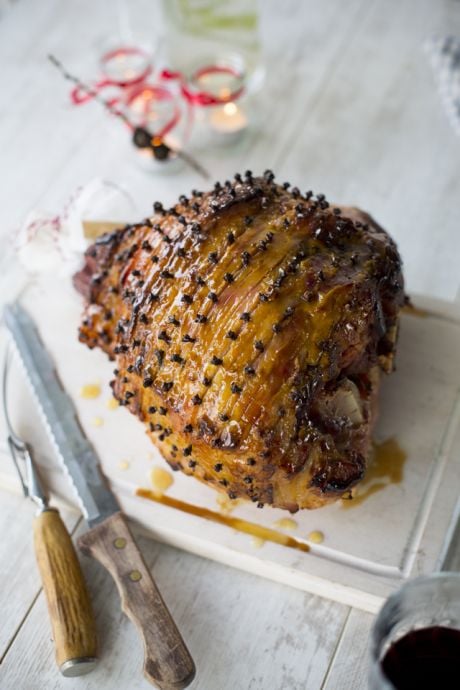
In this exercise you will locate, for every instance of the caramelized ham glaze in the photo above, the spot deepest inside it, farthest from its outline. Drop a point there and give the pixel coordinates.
(250, 326)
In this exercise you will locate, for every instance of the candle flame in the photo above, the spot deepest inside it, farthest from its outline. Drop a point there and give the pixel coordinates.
(230, 108)
(224, 93)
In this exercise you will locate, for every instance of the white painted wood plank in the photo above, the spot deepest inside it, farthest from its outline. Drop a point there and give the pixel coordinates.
(350, 663)
(452, 556)
(242, 632)
(19, 578)
(304, 42)
(377, 137)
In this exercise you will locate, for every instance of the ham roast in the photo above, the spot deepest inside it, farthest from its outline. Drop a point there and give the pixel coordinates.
(250, 326)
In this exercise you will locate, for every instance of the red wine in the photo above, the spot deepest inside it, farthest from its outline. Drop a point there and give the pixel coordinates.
(425, 659)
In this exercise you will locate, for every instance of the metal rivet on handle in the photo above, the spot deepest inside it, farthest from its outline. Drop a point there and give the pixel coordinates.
(135, 575)
(119, 543)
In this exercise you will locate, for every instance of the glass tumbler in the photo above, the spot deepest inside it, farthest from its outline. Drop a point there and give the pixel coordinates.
(415, 641)
(200, 33)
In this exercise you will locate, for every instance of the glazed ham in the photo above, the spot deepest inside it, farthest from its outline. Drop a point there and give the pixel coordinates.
(250, 326)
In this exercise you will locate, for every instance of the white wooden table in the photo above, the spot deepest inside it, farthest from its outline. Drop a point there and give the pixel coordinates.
(351, 110)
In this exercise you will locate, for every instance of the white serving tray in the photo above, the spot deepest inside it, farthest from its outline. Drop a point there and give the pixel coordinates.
(368, 550)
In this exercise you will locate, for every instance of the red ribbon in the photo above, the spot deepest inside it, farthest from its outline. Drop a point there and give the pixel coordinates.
(204, 98)
(130, 89)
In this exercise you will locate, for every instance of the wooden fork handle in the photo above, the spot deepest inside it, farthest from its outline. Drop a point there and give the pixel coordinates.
(69, 605)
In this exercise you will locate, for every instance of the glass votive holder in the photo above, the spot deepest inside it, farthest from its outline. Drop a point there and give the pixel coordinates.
(415, 640)
(153, 107)
(160, 115)
(124, 65)
(220, 114)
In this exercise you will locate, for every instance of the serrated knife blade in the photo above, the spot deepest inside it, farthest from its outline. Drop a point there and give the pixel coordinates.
(167, 661)
(60, 417)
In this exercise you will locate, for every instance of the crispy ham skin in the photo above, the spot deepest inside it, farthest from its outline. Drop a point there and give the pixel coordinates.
(250, 326)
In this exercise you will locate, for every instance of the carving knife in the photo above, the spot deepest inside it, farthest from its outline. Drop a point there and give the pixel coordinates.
(167, 661)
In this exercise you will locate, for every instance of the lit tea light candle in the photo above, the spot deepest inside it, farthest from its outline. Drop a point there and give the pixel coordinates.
(228, 119)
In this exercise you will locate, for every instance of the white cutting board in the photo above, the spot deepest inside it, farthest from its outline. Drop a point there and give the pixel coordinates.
(368, 550)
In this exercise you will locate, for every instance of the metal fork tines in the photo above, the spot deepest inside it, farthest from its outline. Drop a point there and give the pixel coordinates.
(21, 451)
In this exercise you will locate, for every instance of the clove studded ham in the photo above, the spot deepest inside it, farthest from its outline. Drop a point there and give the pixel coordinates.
(250, 326)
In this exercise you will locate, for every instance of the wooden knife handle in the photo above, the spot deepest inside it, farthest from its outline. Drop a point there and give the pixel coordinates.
(69, 605)
(167, 661)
